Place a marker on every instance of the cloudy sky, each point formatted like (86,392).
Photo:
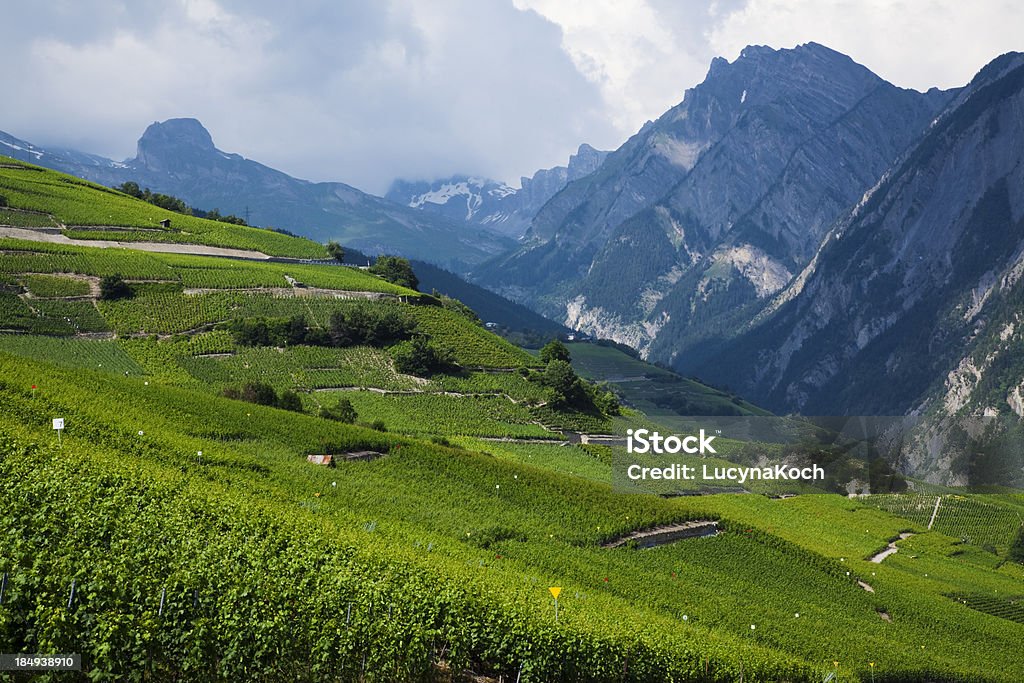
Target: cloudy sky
(364,91)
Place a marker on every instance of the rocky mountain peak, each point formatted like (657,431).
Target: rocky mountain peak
(177,133)
(174,143)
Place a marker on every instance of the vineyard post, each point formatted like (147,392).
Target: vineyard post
(71,595)
(163,594)
(555,591)
(3,587)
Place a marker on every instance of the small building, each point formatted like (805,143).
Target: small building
(165,223)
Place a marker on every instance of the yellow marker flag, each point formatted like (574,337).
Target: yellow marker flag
(555,590)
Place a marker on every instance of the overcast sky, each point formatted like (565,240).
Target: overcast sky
(364,91)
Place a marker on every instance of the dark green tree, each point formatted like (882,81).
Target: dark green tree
(260,393)
(336,251)
(289,400)
(421,358)
(566,387)
(114,287)
(396,270)
(554,350)
(342,411)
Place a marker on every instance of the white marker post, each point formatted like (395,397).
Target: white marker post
(58,425)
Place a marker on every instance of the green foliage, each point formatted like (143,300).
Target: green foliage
(396,270)
(214,214)
(113,287)
(554,350)
(367,325)
(473,345)
(1016,553)
(566,387)
(273,332)
(258,393)
(422,358)
(341,411)
(164,201)
(335,251)
(289,400)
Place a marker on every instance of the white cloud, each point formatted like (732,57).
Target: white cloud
(366,91)
(912,44)
(641,61)
(359,92)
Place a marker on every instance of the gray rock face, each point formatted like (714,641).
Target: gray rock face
(913,301)
(713,207)
(179,157)
(491,204)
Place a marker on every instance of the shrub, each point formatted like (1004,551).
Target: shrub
(260,393)
(421,358)
(371,326)
(342,411)
(554,350)
(336,251)
(396,270)
(566,387)
(289,400)
(114,287)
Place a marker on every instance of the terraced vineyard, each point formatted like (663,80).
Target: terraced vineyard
(978,520)
(177,531)
(73,204)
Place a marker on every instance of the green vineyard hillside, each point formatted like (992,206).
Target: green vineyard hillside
(181,526)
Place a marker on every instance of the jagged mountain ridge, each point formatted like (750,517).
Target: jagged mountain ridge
(715,205)
(491,203)
(913,303)
(179,157)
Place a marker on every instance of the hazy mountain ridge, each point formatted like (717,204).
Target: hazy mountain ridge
(491,203)
(179,157)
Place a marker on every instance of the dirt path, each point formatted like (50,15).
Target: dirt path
(890,549)
(669,533)
(293,292)
(163,247)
